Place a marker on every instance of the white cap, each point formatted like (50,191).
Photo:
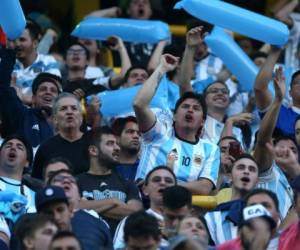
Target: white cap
(255,211)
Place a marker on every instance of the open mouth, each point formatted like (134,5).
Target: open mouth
(75,58)
(245,179)
(12,155)
(160,191)
(115,155)
(70,119)
(141,12)
(47,99)
(222,99)
(188,118)
(67,187)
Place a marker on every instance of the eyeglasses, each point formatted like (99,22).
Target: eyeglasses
(217,90)
(157,179)
(75,51)
(62,178)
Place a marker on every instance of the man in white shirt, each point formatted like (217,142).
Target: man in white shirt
(155,182)
(29,62)
(15,155)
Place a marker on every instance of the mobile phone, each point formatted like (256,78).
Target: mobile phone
(170,60)
(235,149)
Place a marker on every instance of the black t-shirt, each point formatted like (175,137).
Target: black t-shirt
(56,146)
(85,84)
(140,53)
(101,187)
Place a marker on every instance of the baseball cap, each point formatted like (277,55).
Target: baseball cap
(256,211)
(46,77)
(49,195)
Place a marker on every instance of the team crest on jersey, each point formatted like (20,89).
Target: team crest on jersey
(197,160)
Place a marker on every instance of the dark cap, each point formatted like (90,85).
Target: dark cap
(49,195)
(295,184)
(46,77)
(256,211)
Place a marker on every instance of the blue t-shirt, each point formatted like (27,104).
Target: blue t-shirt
(92,232)
(3,246)
(286,120)
(127,171)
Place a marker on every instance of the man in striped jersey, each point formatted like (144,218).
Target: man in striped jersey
(223,221)
(273,166)
(195,162)
(254,234)
(29,62)
(216,94)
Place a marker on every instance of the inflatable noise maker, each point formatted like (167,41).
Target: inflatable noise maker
(233,56)
(130,30)
(12,18)
(120,102)
(237,19)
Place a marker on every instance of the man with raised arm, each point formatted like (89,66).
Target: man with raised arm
(263,97)
(216,94)
(195,162)
(271,175)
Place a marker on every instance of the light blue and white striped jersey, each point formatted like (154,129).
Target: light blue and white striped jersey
(274,180)
(291,50)
(193,161)
(220,228)
(15,186)
(213,130)
(25,76)
(209,66)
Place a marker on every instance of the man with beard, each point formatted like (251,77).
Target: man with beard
(34,123)
(101,182)
(128,135)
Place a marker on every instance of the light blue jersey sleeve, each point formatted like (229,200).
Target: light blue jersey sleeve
(212,163)
(156,133)
(219,227)
(118,240)
(275,180)
(149,148)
